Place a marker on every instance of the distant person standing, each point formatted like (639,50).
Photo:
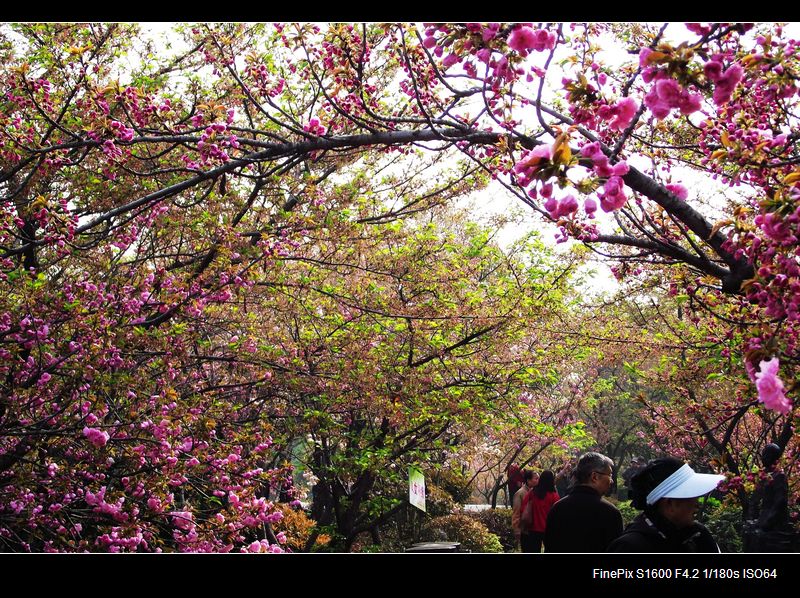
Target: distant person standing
(531,479)
(583,521)
(515,482)
(637,463)
(563,480)
(539,500)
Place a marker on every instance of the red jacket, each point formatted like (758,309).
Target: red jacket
(541,507)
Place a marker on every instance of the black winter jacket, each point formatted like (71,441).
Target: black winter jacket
(652,533)
(581,522)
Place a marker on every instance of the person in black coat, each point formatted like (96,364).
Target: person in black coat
(582,521)
(667,492)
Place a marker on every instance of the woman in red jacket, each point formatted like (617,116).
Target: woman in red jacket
(538,501)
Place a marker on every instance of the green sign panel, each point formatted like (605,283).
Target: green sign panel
(416,488)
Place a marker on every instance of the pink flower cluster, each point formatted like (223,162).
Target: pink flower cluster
(97,437)
(183,520)
(262,546)
(613,196)
(501,68)
(725,82)
(212,143)
(600,163)
(490,31)
(314,127)
(776,228)
(590,207)
(265,82)
(561,208)
(531,163)
(667,94)
(523,39)
(185,532)
(449,60)
(110,149)
(116,541)
(621,114)
(114,510)
(678,190)
(121,132)
(770,388)
(698,28)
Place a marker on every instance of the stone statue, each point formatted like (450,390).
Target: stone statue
(767,528)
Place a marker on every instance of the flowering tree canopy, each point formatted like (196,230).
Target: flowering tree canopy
(158,203)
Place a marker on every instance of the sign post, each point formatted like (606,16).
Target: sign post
(416,488)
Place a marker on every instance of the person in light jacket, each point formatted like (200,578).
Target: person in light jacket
(531,478)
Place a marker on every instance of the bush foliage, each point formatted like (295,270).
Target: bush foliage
(498,522)
(459,527)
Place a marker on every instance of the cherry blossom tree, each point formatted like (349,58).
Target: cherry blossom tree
(169,333)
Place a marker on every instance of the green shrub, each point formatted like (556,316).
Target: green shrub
(627,511)
(395,537)
(458,527)
(364,543)
(724,521)
(498,522)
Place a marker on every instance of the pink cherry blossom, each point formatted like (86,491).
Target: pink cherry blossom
(669,91)
(531,162)
(726,84)
(621,168)
(624,111)
(97,437)
(770,388)
(449,60)
(678,190)
(183,520)
(689,103)
(667,94)
(712,70)
(613,197)
(602,167)
(775,227)
(569,205)
(592,150)
(314,127)
(698,28)
(522,39)
(490,31)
